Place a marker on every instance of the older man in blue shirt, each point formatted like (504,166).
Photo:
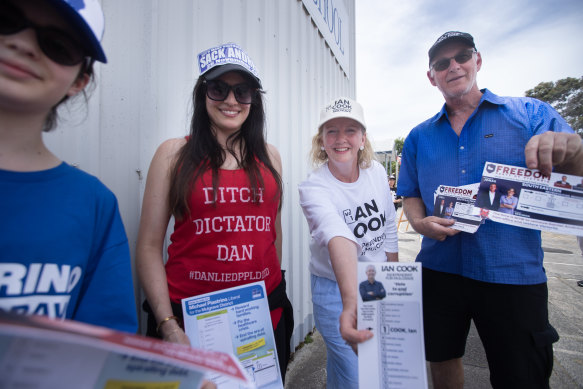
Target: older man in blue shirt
(371,289)
(494,277)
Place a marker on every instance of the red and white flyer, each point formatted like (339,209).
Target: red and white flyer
(38,352)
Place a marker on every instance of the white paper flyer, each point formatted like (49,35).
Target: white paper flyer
(237,321)
(390,305)
(525,198)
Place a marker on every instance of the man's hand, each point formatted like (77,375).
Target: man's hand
(559,149)
(348,330)
(434,227)
(431,226)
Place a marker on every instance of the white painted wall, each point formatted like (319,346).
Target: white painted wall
(142,97)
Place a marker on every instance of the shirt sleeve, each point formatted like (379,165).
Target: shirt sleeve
(543,117)
(324,219)
(362,290)
(107,297)
(382,292)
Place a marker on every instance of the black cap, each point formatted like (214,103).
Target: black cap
(392,177)
(451,36)
(218,71)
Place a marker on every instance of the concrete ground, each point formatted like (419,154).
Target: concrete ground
(564,266)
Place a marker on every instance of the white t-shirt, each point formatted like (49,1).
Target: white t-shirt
(362,212)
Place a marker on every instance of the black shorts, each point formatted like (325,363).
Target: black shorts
(512,321)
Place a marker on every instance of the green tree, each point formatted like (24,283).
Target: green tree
(397,148)
(566,96)
(399,145)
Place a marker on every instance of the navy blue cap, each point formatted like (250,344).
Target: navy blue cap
(448,37)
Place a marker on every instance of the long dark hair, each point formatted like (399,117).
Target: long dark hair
(203,152)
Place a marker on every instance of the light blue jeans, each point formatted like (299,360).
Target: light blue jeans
(342,362)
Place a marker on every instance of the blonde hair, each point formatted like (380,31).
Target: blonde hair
(318,156)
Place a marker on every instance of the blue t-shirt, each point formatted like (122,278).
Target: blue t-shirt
(63,249)
(433,155)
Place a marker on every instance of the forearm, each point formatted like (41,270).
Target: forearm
(414,209)
(152,277)
(343,255)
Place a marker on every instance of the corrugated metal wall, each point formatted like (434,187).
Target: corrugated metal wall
(142,97)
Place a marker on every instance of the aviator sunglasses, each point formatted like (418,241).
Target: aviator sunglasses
(55,43)
(460,58)
(218,90)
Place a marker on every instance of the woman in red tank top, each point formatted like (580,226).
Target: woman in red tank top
(222,184)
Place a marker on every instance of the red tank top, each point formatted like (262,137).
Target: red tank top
(227,241)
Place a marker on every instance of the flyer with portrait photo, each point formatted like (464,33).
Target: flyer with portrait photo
(237,321)
(390,305)
(525,198)
(457,203)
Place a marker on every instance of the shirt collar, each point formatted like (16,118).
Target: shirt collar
(486,96)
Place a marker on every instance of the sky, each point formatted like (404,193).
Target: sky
(522,43)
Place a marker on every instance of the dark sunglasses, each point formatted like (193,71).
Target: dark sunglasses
(218,90)
(58,45)
(460,58)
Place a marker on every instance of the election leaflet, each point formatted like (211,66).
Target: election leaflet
(525,198)
(38,352)
(237,321)
(390,305)
(457,203)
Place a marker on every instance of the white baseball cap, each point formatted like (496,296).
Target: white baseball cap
(342,107)
(228,57)
(86,17)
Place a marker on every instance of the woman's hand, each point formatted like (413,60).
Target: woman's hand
(206,384)
(173,333)
(348,330)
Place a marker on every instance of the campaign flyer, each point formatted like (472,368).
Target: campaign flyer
(390,305)
(38,352)
(525,198)
(457,203)
(237,321)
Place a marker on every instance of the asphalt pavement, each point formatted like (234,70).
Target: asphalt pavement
(564,265)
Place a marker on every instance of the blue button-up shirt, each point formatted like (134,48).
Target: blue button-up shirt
(371,292)
(433,155)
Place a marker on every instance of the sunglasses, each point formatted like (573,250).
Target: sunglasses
(460,58)
(56,44)
(218,90)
